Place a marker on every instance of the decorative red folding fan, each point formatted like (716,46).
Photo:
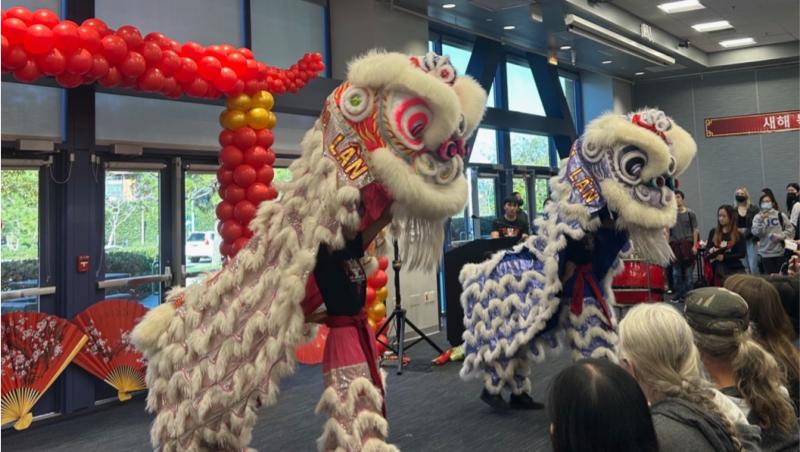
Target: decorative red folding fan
(311,351)
(109,355)
(37,347)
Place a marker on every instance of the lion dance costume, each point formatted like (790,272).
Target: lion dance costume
(614,190)
(390,137)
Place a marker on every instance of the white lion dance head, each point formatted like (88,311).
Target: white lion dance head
(391,136)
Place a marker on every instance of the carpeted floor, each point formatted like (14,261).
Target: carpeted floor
(429,408)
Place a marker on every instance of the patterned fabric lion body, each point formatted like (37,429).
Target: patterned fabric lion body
(390,137)
(516,305)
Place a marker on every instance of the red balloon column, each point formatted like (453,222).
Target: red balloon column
(376,300)
(36,44)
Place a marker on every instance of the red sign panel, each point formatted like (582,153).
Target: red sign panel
(783,121)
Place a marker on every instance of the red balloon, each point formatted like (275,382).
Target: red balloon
(378,279)
(221,192)
(169,86)
(216,51)
(246,52)
(230,230)
(6,46)
(379,344)
(273,192)
(79,62)
(265,175)
(238,63)
(151,53)
(234,194)
(244,175)
(170,62)
(192,50)
(227,48)
(22,13)
(250,86)
(131,35)
(224,211)
(209,68)
(66,36)
(52,62)
(97,25)
(264,138)
(226,79)
(152,80)
(370,295)
(244,211)
(256,156)
(100,67)
(246,232)
(28,73)
(197,88)
(224,176)
(114,48)
(111,79)
(187,71)
(231,157)
(68,80)
(257,192)
(238,88)
(383,262)
(251,71)
(90,39)
(160,39)
(225,249)
(16,58)
(225,137)
(238,244)
(133,65)
(38,39)
(45,17)
(244,138)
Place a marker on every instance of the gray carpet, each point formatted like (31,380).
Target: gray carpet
(429,409)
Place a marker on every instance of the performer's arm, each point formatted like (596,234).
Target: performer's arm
(369,234)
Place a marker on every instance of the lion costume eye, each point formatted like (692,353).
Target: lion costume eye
(631,163)
(409,119)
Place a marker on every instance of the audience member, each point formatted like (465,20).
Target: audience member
(510,224)
(726,246)
(739,367)
(683,239)
(746,211)
(771,326)
(582,399)
(793,207)
(772,227)
(521,213)
(657,348)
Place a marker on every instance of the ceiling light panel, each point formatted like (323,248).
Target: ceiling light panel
(737,42)
(681,6)
(712,26)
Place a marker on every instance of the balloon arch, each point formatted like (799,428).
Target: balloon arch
(37,44)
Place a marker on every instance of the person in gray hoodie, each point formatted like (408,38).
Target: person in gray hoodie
(772,227)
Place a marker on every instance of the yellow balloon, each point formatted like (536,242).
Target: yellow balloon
(258,118)
(373,324)
(233,119)
(377,311)
(263,99)
(382,293)
(273,120)
(239,102)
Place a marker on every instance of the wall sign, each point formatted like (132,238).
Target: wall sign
(782,121)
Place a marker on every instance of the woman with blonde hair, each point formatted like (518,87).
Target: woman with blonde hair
(772,327)
(746,211)
(739,367)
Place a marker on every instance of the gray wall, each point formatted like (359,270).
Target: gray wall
(724,163)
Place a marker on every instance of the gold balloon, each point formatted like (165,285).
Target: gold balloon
(376,312)
(258,118)
(233,119)
(382,293)
(373,324)
(263,99)
(273,120)
(239,102)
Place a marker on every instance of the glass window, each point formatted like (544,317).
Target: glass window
(523,96)
(202,243)
(132,232)
(542,190)
(487,204)
(460,56)
(20,236)
(275,20)
(568,88)
(31,111)
(204,21)
(484,150)
(530,150)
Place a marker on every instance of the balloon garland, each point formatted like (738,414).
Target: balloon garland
(376,300)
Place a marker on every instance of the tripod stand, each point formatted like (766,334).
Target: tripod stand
(399,317)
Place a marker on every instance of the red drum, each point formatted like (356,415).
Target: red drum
(640,282)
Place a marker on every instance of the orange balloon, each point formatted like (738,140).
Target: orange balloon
(377,311)
(382,293)
(373,324)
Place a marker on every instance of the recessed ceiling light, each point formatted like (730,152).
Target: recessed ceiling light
(566,47)
(509,27)
(449,5)
(640,73)
(737,42)
(713,26)
(607,62)
(681,6)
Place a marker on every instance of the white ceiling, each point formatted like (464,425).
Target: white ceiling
(766,21)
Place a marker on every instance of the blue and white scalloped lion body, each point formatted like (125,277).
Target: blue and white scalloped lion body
(614,190)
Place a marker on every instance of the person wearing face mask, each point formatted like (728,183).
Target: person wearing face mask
(772,227)
(793,206)
(746,211)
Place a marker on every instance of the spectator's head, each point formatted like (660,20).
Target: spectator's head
(742,196)
(581,398)
(726,217)
(511,207)
(720,321)
(767,197)
(518,196)
(792,193)
(679,197)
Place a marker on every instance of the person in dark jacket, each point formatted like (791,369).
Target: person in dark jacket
(746,210)
(726,247)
